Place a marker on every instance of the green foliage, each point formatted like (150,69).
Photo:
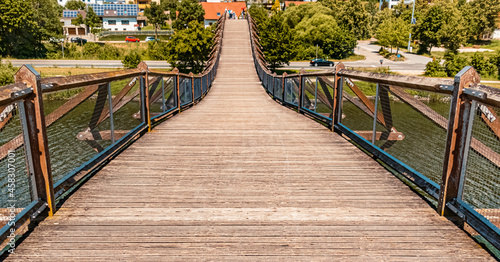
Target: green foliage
(495,60)
(157,51)
(434,69)
(295,14)
(78,20)
(131,60)
(171,7)
(6,74)
(485,67)
(189,48)
(156,16)
(25,24)
(393,32)
(442,23)
(277,42)
(189,10)
(92,20)
(308,52)
(480,16)
(75,5)
(454,63)
(352,16)
(259,14)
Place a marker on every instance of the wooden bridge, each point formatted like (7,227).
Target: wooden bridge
(240,177)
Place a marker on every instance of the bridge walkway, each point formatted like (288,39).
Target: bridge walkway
(240,177)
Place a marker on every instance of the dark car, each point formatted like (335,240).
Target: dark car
(78,40)
(321,62)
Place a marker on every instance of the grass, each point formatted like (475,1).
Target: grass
(350,58)
(122,37)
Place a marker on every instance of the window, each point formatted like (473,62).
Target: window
(112,22)
(124,29)
(125,22)
(116,29)
(218,14)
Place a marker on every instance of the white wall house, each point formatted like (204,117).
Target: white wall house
(496,34)
(393,3)
(120,23)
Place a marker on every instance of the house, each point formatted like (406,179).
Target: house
(214,10)
(393,3)
(63,2)
(117,17)
(72,30)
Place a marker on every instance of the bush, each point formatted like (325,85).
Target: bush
(434,69)
(454,63)
(91,50)
(482,65)
(131,60)
(157,51)
(308,52)
(6,74)
(110,52)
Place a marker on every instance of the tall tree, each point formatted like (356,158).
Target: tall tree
(259,14)
(393,33)
(156,16)
(189,10)
(481,16)
(171,7)
(75,5)
(92,20)
(277,42)
(189,48)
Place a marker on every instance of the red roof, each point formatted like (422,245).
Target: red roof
(287,3)
(211,9)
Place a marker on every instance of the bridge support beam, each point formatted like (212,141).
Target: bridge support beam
(35,136)
(458,133)
(337,97)
(145,97)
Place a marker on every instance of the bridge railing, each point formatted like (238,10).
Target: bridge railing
(441,135)
(49,146)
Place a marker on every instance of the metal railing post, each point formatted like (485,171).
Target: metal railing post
(35,132)
(337,96)
(456,140)
(145,94)
(111,121)
(301,80)
(192,85)
(375,113)
(283,85)
(177,89)
(163,106)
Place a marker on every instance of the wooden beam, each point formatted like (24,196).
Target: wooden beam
(386,135)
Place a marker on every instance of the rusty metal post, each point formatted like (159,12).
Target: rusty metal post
(192,85)
(283,84)
(337,96)
(37,136)
(456,141)
(177,78)
(301,79)
(144,68)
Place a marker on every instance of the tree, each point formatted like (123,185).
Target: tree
(276,7)
(92,20)
(259,14)
(75,5)
(79,20)
(190,47)
(351,15)
(156,16)
(171,7)
(393,33)
(277,42)
(480,16)
(442,23)
(18,29)
(189,10)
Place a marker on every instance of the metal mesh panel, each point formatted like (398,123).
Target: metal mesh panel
(185,90)
(482,177)
(318,96)
(278,88)
(156,91)
(15,182)
(355,115)
(204,84)
(417,138)
(170,94)
(127,113)
(270,80)
(197,88)
(292,90)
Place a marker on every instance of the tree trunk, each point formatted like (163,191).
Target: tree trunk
(156,32)
(397,51)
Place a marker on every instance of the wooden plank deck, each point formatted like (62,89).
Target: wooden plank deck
(239,177)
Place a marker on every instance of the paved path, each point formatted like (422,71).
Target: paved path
(239,177)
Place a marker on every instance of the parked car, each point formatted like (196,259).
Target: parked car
(321,62)
(78,40)
(132,39)
(151,38)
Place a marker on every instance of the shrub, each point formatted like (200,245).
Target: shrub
(91,50)
(454,63)
(110,52)
(435,69)
(157,51)
(6,74)
(131,60)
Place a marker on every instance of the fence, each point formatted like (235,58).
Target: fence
(143,32)
(47,147)
(448,146)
